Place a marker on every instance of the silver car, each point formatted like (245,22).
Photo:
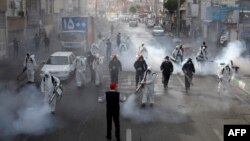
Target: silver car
(133,23)
(60,64)
(158,31)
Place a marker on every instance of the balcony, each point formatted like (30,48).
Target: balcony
(3,5)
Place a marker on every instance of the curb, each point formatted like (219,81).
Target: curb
(241,84)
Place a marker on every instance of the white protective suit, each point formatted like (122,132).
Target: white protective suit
(177,54)
(202,54)
(143,51)
(95,49)
(81,65)
(30,64)
(148,89)
(224,75)
(48,88)
(97,67)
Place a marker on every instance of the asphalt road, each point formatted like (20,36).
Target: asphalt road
(177,116)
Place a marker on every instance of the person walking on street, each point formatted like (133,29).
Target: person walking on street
(48,86)
(189,70)
(97,67)
(46,41)
(148,87)
(37,41)
(166,69)
(108,49)
(30,65)
(115,67)
(140,66)
(80,64)
(90,60)
(113,111)
(118,40)
(15,47)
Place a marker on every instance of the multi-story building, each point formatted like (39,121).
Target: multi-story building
(3,28)
(215,16)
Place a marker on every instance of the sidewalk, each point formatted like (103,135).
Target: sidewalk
(242,82)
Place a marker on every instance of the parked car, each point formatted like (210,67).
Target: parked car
(133,23)
(60,64)
(150,23)
(158,31)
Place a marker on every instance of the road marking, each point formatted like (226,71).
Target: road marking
(128,135)
(218,134)
(182,83)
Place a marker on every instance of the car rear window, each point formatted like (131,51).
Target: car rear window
(58,60)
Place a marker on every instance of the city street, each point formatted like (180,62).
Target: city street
(177,115)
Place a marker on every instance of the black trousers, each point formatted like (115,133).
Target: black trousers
(187,81)
(115,115)
(165,79)
(114,76)
(138,77)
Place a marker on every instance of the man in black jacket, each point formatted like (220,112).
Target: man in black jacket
(113,111)
(114,67)
(90,60)
(189,70)
(166,69)
(108,49)
(140,66)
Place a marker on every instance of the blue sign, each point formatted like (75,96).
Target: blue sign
(220,12)
(74,23)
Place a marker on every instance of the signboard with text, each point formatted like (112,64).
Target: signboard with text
(74,23)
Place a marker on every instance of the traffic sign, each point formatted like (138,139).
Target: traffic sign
(74,23)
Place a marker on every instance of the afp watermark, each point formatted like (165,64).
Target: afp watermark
(236,132)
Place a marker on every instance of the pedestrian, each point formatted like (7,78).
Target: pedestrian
(80,64)
(189,70)
(46,41)
(118,40)
(143,51)
(90,59)
(177,54)
(37,41)
(113,111)
(15,47)
(30,65)
(148,87)
(166,69)
(224,76)
(97,67)
(108,49)
(49,86)
(140,66)
(115,67)
(202,53)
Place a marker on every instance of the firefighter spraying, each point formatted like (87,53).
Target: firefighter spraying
(29,66)
(50,87)
(224,77)
(148,87)
(81,65)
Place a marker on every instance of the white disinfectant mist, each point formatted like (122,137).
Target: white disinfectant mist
(23,113)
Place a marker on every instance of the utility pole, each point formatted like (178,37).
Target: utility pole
(178,18)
